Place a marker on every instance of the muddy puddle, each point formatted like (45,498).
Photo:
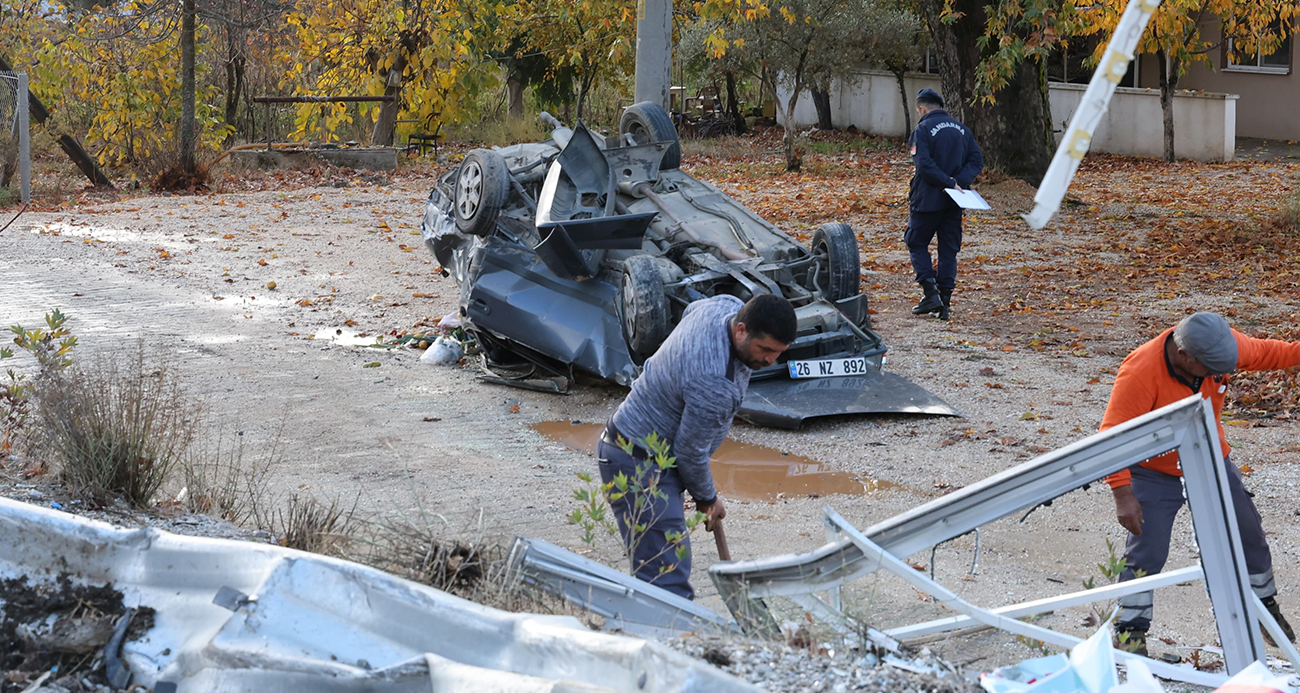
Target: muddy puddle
(742,470)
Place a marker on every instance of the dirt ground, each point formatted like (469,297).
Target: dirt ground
(1041,321)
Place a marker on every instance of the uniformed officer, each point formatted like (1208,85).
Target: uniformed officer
(946,156)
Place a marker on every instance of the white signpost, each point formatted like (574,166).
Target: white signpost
(1078,136)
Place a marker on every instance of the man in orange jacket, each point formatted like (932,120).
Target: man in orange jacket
(1196,356)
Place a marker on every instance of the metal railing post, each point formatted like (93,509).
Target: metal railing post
(24,141)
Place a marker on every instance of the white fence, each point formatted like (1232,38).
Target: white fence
(1205,124)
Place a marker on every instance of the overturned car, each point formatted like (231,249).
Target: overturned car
(583,252)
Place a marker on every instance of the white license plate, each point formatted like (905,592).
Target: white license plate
(828,368)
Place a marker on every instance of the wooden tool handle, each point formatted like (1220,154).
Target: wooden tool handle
(720,537)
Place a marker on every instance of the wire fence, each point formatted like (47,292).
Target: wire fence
(8,104)
(15,140)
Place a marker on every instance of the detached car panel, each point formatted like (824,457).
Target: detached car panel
(582,252)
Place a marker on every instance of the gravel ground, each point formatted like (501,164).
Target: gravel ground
(190,276)
(786,669)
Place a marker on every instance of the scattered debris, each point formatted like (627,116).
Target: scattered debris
(444,351)
(60,627)
(787,669)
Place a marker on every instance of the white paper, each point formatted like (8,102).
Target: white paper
(967,199)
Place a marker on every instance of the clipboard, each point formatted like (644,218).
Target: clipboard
(967,199)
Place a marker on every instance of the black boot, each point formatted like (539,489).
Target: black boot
(1132,641)
(931,303)
(1275,611)
(945,295)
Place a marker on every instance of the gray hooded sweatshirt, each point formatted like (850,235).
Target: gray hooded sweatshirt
(690,391)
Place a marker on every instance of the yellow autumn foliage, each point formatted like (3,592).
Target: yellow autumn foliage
(122,69)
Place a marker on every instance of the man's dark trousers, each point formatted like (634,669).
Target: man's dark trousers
(1161,496)
(921,228)
(654,558)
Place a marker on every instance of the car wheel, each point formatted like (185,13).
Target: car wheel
(837,272)
(645,306)
(482,188)
(648,122)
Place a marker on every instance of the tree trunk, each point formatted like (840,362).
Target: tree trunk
(234,89)
(514,97)
(188,163)
(793,162)
(1000,127)
(1169,69)
(385,131)
(738,126)
(582,95)
(822,102)
(899,75)
(767,87)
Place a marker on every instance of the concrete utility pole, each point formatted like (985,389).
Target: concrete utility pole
(654,50)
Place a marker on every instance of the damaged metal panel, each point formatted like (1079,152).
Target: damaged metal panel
(303,622)
(571,322)
(627,603)
(1013,490)
(950,599)
(783,403)
(1187,426)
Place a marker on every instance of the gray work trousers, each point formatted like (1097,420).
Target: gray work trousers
(654,550)
(1161,496)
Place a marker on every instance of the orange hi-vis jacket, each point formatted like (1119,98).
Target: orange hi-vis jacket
(1146,383)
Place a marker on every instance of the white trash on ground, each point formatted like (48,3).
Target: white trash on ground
(444,351)
(289,621)
(1089,668)
(1256,678)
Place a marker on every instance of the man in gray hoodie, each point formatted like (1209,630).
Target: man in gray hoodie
(687,394)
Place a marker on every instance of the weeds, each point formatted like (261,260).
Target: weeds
(1288,218)
(644,491)
(1111,568)
(309,525)
(503,132)
(223,480)
(52,349)
(467,562)
(116,428)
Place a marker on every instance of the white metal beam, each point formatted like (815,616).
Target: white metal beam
(1214,521)
(948,598)
(1064,601)
(1013,490)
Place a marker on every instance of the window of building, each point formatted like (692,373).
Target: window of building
(1278,62)
(930,62)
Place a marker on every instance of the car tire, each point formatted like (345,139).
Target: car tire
(482,188)
(648,122)
(645,305)
(838,269)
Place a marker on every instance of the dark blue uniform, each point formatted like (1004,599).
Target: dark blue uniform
(946,155)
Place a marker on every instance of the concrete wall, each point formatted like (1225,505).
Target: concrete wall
(1206,123)
(1269,102)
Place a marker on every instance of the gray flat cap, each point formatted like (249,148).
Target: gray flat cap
(1208,339)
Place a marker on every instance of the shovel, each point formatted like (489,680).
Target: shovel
(720,538)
